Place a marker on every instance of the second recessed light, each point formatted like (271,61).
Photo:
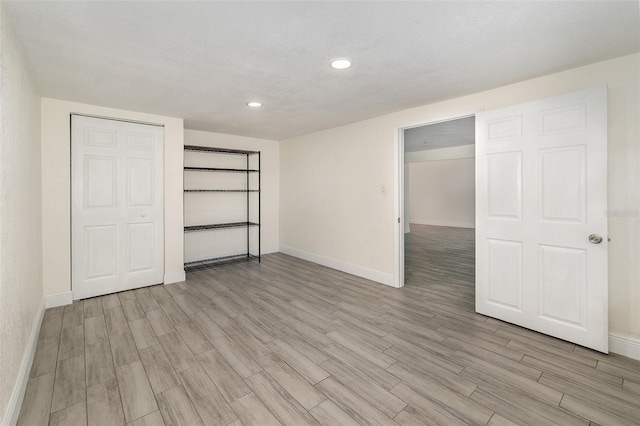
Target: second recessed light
(340,64)
(254,104)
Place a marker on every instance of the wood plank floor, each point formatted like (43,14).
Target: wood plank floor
(290,342)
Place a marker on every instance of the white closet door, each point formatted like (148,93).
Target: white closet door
(117,215)
(541,231)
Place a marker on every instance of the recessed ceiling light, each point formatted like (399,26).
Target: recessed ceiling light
(254,104)
(340,64)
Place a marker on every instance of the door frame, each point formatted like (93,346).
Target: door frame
(399,185)
(164,153)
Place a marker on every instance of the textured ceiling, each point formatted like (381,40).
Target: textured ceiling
(446,134)
(204,60)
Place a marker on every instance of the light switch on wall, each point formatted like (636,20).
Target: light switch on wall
(383,189)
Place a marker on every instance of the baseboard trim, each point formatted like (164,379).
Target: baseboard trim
(443,223)
(270,249)
(17,395)
(349,268)
(58,299)
(625,346)
(175,277)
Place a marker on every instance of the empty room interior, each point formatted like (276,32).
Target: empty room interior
(319,213)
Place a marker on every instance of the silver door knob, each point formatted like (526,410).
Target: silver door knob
(595,239)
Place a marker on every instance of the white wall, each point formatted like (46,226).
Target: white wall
(332,210)
(442,193)
(331,207)
(56,196)
(202,208)
(20,221)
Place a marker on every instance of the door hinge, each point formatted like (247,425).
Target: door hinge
(398,220)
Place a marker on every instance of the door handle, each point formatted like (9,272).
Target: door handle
(143,215)
(595,239)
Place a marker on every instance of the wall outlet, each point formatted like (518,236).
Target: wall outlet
(383,189)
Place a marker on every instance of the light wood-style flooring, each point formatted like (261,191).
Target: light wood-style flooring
(290,342)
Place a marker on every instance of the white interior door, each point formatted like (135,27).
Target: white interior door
(541,192)
(117,222)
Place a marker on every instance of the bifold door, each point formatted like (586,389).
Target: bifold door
(117,202)
(541,221)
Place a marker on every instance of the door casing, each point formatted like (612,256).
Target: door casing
(399,184)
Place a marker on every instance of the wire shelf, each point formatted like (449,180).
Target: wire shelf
(218,150)
(219,261)
(219,226)
(251,202)
(221,190)
(217,169)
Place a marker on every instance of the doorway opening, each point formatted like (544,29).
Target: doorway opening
(540,213)
(438,206)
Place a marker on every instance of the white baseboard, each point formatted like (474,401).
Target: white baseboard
(58,299)
(270,249)
(17,395)
(175,277)
(625,346)
(443,223)
(349,268)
